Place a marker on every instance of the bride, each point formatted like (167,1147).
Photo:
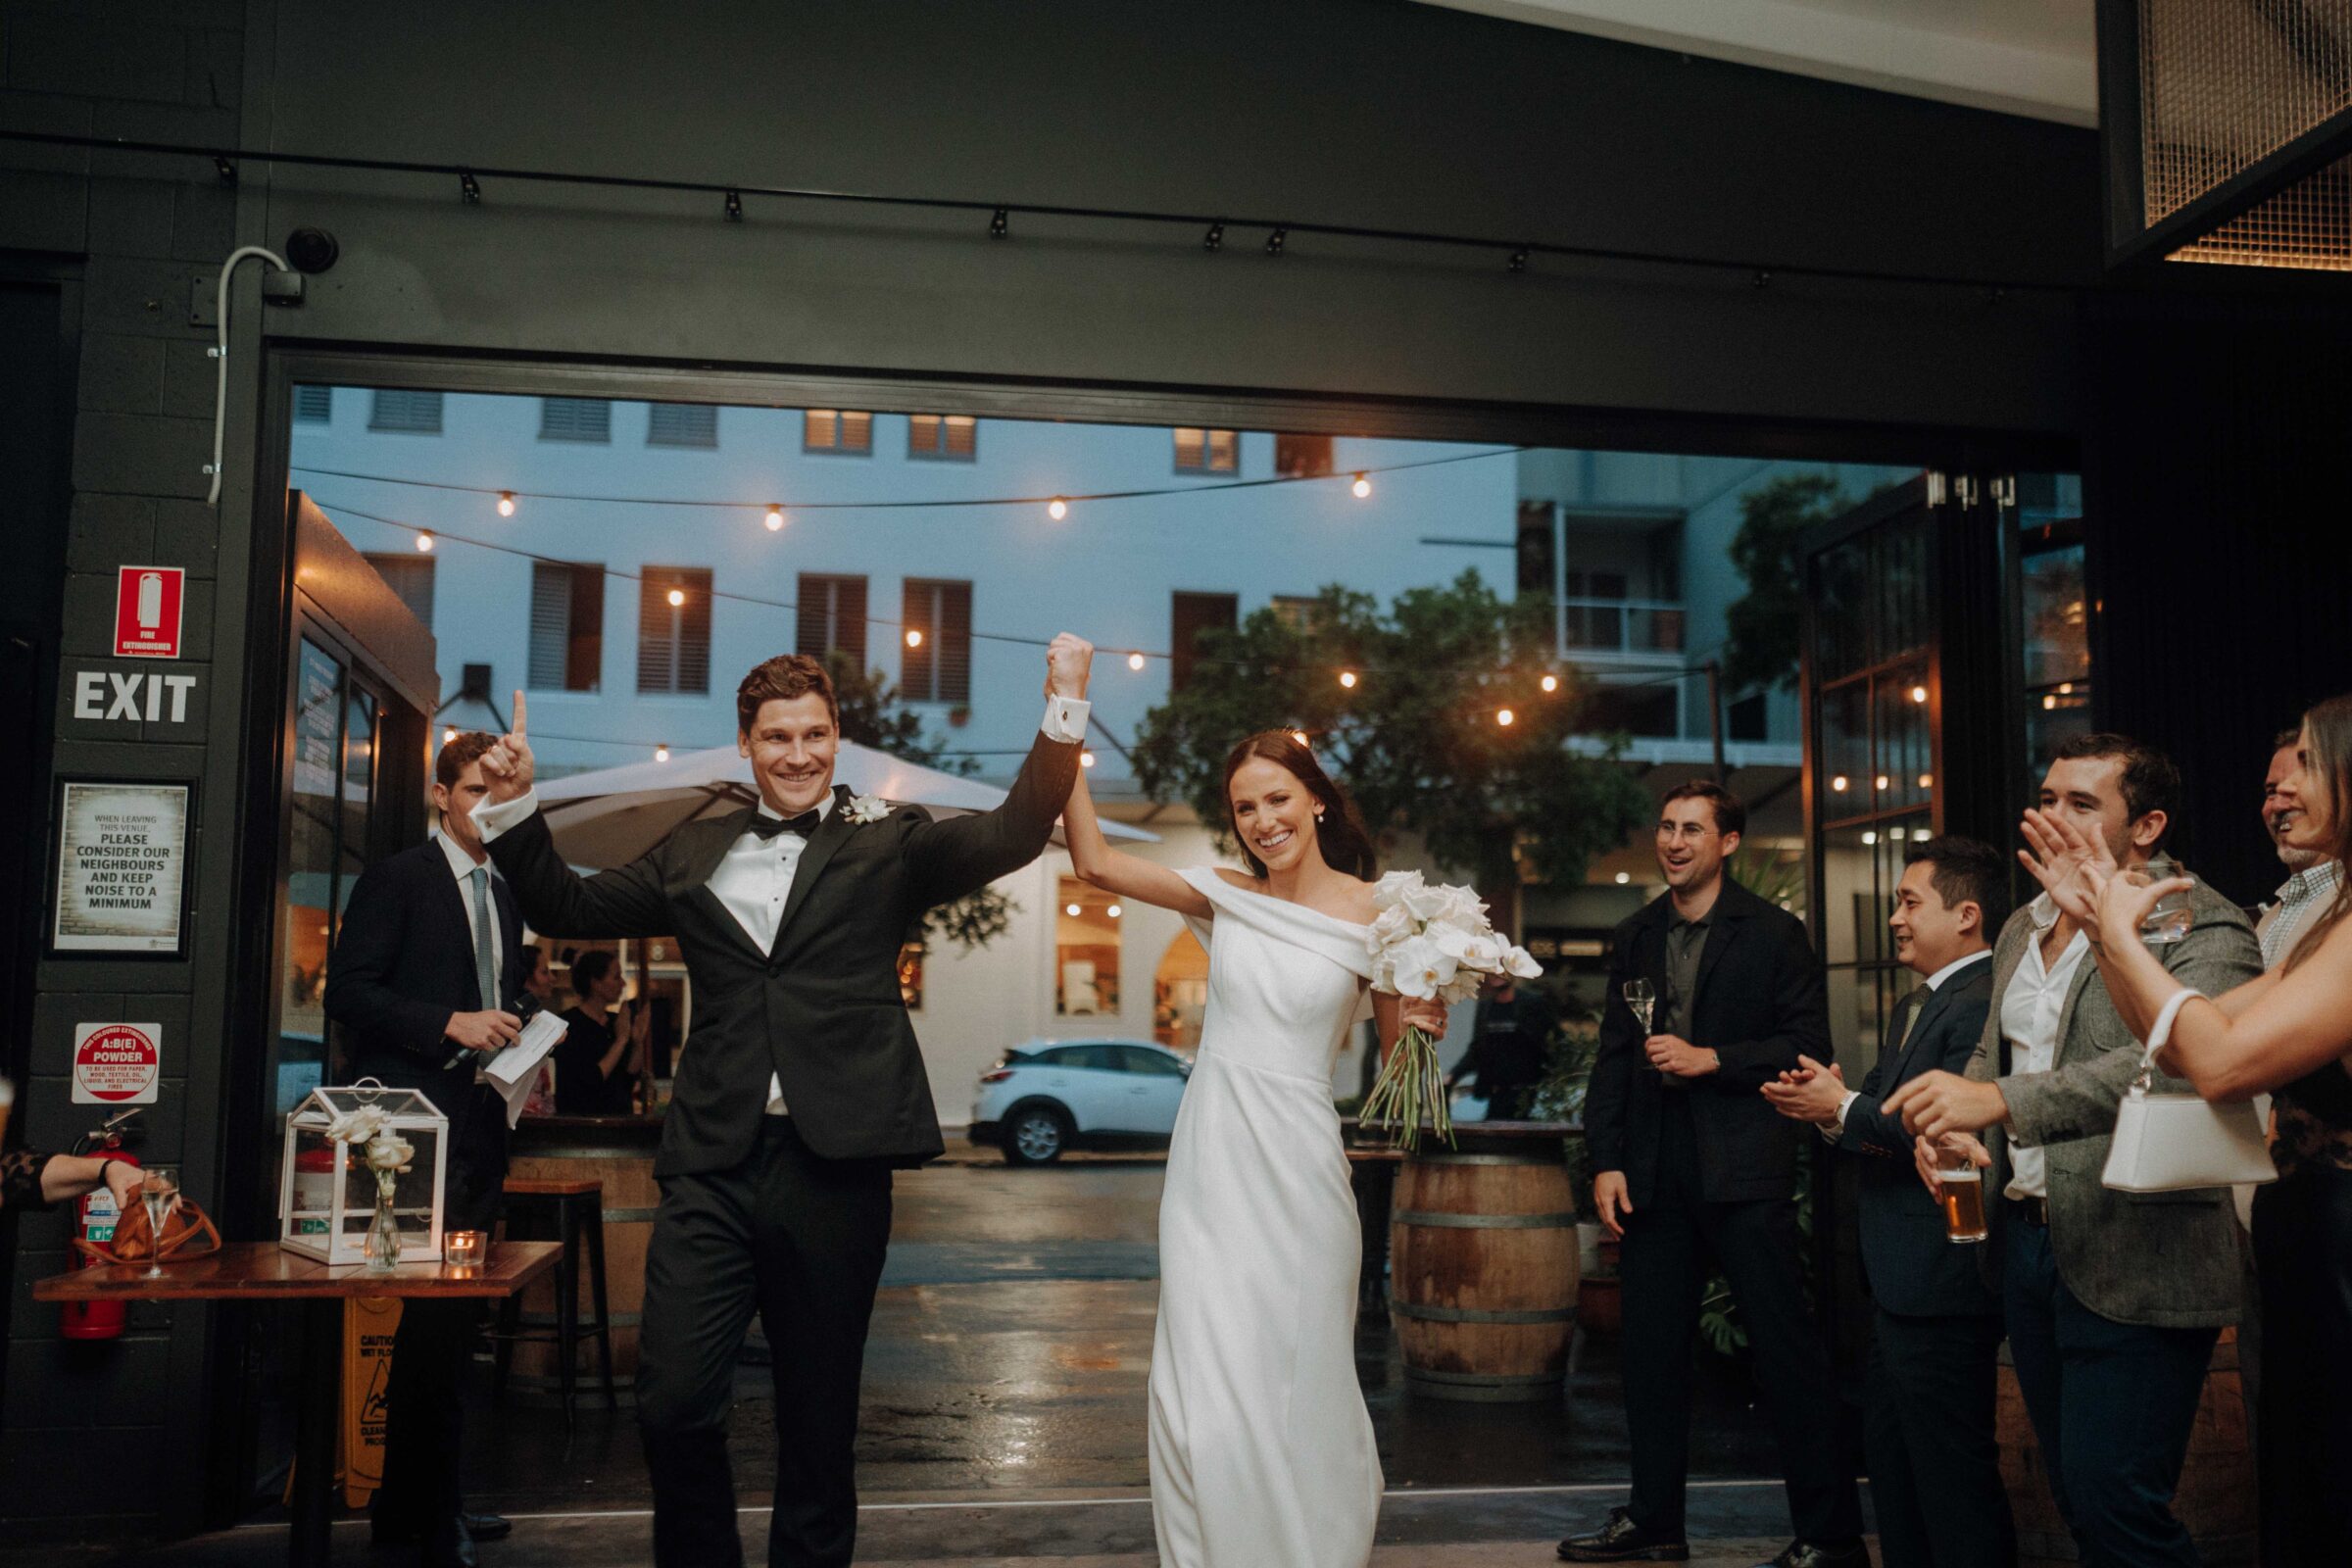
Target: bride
(1261,1449)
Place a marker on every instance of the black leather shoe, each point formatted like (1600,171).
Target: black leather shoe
(487,1526)
(1623,1541)
(1809,1555)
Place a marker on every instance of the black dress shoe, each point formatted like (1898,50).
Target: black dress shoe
(1623,1541)
(487,1526)
(1810,1554)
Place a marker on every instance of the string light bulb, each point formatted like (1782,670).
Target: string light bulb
(1505,716)
(1919,694)
(424,541)
(677,597)
(1057,508)
(1300,736)
(1550,683)
(661,753)
(1085,759)
(914,638)
(449,734)
(1348,679)
(1838,783)
(1362,487)
(1135,661)
(775,518)
(506,502)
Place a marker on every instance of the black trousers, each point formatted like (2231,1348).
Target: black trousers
(1927,1428)
(1663,1269)
(2303,1249)
(2112,1406)
(424,1423)
(799,1240)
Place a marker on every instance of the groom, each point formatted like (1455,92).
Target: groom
(800,1089)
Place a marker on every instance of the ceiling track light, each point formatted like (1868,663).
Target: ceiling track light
(999,225)
(469,189)
(1276,240)
(1518,263)
(226,169)
(1214,239)
(734,207)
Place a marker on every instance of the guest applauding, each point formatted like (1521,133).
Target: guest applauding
(2289,1032)
(594,1064)
(1928,1395)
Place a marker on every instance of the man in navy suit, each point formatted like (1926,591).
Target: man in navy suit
(1927,1431)
(429,950)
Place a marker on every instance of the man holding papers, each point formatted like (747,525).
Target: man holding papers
(427,967)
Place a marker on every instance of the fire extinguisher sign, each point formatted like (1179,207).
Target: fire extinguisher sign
(147,600)
(117,1063)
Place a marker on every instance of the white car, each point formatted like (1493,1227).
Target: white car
(1050,1096)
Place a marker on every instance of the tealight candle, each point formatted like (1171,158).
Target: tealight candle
(462,1253)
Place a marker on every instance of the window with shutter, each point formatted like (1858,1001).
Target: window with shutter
(674,641)
(313,405)
(410,578)
(567,626)
(417,413)
(1200,450)
(575,420)
(682,424)
(938,667)
(1302,457)
(832,615)
(1188,615)
(948,437)
(844,430)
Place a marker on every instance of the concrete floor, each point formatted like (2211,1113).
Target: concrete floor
(1003,1419)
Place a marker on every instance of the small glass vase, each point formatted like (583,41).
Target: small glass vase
(383,1231)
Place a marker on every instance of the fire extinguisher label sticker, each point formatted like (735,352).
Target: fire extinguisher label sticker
(117,1063)
(147,605)
(99,1214)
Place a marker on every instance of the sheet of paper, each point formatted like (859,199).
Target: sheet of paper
(515,1070)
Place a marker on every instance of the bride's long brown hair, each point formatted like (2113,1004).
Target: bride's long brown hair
(1340,830)
(2325,758)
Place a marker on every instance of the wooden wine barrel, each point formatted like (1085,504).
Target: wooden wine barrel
(1483,1265)
(2216,1500)
(621,1155)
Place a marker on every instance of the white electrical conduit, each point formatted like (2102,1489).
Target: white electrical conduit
(221,354)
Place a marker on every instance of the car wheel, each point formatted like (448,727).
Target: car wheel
(1035,1135)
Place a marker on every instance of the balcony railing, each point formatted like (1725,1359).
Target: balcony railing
(1629,628)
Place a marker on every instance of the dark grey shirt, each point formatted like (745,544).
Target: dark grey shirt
(1685,940)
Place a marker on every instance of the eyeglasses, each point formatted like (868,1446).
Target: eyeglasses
(1687,832)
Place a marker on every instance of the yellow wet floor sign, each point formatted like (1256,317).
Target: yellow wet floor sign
(368,1323)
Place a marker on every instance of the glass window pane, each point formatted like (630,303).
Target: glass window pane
(2056,618)
(1840,590)
(1905,767)
(1085,951)
(1844,756)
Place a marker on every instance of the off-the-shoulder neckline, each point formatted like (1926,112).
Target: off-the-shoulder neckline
(1218,873)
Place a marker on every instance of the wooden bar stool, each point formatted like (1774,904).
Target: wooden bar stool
(571,1212)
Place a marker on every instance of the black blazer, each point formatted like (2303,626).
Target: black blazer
(1761,1001)
(1914,1269)
(403,962)
(821,1009)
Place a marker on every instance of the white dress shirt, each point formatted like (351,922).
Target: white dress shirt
(753,880)
(2030,1009)
(1934,983)
(462,866)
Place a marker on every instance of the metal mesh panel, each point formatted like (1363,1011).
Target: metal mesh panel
(2225,83)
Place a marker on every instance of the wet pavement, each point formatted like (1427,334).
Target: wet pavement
(1003,1416)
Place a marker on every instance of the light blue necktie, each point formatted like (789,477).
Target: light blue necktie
(485,964)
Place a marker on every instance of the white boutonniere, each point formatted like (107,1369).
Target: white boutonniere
(864,809)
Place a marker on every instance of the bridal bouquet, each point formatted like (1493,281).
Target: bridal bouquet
(1428,941)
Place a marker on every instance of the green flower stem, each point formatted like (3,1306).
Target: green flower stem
(1410,1088)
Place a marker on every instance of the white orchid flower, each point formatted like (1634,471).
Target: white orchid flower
(1520,965)
(1421,968)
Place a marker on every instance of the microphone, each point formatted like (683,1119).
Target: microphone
(525,1007)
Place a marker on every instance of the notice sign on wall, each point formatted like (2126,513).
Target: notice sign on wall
(117,1063)
(122,866)
(147,600)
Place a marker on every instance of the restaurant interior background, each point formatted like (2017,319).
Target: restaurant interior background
(1684,255)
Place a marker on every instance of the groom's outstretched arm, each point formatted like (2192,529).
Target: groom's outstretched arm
(952,857)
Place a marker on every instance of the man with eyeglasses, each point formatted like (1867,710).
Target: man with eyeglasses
(1693,1163)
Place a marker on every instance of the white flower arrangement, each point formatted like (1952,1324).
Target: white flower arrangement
(864,809)
(1429,943)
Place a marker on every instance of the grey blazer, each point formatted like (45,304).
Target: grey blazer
(2159,1260)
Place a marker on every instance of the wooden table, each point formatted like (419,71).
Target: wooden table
(263,1271)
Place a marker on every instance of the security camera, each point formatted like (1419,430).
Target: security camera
(312,250)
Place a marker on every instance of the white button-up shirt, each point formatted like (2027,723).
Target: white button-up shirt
(755,878)
(2030,1011)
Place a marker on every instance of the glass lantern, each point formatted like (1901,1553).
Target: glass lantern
(329,1195)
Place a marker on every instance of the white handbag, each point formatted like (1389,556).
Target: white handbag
(2171,1143)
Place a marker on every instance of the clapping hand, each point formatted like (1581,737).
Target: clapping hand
(506,765)
(2072,866)
(1813,1092)
(1067,659)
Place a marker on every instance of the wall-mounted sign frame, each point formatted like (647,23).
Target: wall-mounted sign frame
(121,882)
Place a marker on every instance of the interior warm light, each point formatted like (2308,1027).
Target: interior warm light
(506,502)
(1362,487)
(2066,688)
(1870,838)
(2048,702)
(1114,911)
(424,541)
(1550,683)
(1135,661)
(1838,783)
(1623,877)
(774,520)
(1882,781)
(1920,835)
(1503,716)
(677,596)
(1057,508)
(1348,679)
(1927,781)
(1300,736)
(1070,910)
(914,639)
(661,753)
(1919,694)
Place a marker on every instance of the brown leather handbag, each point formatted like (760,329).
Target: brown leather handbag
(188,1232)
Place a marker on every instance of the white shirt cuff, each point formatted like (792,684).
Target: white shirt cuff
(2162,1030)
(1837,1130)
(1066,719)
(493,817)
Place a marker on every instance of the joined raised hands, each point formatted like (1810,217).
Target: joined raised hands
(1067,659)
(507,766)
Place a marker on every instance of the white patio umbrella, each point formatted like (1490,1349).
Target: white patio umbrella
(611,816)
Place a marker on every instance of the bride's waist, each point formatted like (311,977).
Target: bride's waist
(1241,1059)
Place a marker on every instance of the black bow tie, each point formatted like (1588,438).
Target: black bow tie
(767,828)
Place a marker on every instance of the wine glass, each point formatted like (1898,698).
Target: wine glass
(159,1191)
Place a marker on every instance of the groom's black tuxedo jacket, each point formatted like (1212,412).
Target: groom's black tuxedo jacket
(821,1009)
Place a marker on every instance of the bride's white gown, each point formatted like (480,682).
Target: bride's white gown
(1261,1449)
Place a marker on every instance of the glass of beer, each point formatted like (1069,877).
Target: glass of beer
(1960,1189)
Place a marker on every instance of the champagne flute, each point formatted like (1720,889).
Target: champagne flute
(1640,996)
(159,1191)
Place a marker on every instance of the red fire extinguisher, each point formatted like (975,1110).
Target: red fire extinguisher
(95,1221)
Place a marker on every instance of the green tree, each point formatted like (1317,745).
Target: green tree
(1416,739)
(1761,629)
(871,714)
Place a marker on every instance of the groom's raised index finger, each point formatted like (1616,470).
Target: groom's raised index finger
(520,722)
